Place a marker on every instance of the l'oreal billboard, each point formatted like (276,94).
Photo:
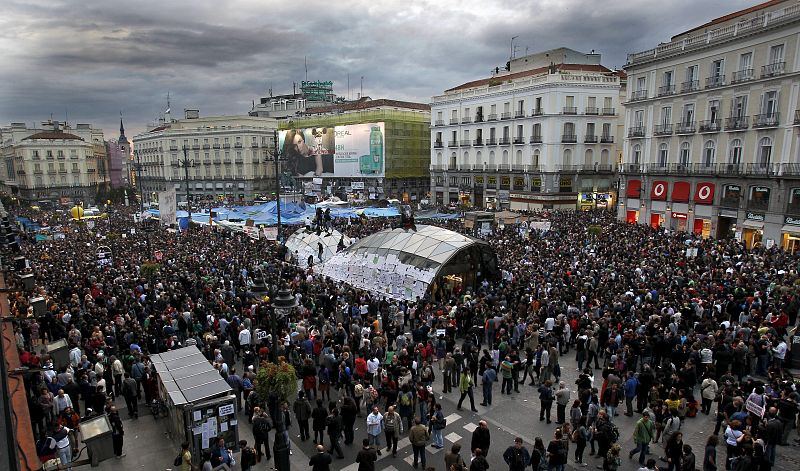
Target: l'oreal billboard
(352,151)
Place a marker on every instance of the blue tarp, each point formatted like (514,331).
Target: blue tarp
(27,224)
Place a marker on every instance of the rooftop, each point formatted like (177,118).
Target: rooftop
(365,104)
(532,72)
(53,135)
(731,16)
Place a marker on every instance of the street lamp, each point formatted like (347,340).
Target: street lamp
(139,168)
(282,305)
(186,163)
(276,158)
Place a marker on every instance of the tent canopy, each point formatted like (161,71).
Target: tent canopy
(306,244)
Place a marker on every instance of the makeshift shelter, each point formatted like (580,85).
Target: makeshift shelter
(199,402)
(305,243)
(406,264)
(508,217)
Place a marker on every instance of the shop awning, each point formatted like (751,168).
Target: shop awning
(791,229)
(634,189)
(680,192)
(704,193)
(659,190)
(753,224)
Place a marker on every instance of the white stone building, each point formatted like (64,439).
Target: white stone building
(230,158)
(711,122)
(542,134)
(53,163)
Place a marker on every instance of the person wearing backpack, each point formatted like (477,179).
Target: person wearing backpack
(184,458)
(517,456)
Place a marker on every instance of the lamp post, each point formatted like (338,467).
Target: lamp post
(276,157)
(186,163)
(282,305)
(137,166)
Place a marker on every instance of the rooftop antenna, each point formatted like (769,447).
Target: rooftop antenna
(305,62)
(166,112)
(512,46)
(348,85)
(66,117)
(362,86)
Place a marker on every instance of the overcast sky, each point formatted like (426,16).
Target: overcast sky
(95,58)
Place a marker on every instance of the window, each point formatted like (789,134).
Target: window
(745,61)
(667,79)
(538,108)
(764,152)
(688,114)
(663,155)
(569,129)
(739,108)
(794,201)
(453,160)
(638,118)
(708,154)
(570,101)
(588,158)
(520,134)
(685,154)
(718,68)
(590,130)
(713,110)
(769,104)
(607,103)
(537,130)
(735,156)
(536,158)
(637,154)
(592,102)
(606,130)
(666,115)
(691,73)
(641,84)
(438,138)
(567,163)
(776,54)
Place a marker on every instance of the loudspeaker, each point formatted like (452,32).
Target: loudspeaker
(28,281)
(39,306)
(19,262)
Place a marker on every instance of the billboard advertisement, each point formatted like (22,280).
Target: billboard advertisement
(352,151)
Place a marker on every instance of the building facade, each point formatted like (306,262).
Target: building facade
(711,141)
(230,158)
(54,163)
(118,152)
(542,134)
(405,175)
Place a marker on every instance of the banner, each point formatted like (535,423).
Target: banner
(271,233)
(352,151)
(251,232)
(167,207)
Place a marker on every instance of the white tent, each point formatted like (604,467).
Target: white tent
(304,243)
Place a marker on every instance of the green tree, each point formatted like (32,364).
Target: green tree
(278,380)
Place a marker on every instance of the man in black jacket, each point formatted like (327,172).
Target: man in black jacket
(321,461)
(261,427)
(481,438)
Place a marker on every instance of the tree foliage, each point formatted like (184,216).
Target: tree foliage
(278,379)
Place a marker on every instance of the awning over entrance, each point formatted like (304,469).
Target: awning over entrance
(791,229)
(634,188)
(680,192)
(753,225)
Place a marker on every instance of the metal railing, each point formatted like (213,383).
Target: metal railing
(685,128)
(506,115)
(491,141)
(439,122)
(453,120)
(666,90)
(569,110)
(606,139)
(766,120)
(537,112)
(492,117)
(536,139)
(438,144)
(592,110)
(477,142)
(636,131)
(452,144)
(519,114)
(711,125)
(737,123)
(771,70)
(796,116)
(662,129)
(504,141)
(478,118)
(638,95)
(715,81)
(690,86)
(590,139)
(569,138)
(465,143)
(519,140)
(608,112)
(742,76)
(466,120)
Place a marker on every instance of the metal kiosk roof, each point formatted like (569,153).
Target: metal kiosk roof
(188,377)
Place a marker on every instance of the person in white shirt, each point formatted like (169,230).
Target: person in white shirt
(61,402)
(244,339)
(375,428)
(75,356)
(779,354)
(63,448)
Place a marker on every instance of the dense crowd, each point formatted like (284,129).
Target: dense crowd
(671,333)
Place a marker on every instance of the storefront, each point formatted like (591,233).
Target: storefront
(726,224)
(702,227)
(753,229)
(656,220)
(679,221)
(588,201)
(790,234)
(632,216)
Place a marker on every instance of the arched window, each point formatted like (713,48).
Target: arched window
(479,158)
(588,158)
(536,158)
(453,160)
(735,156)
(438,158)
(663,155)
(604,157)
(637,154)
(505,157)
(685,154)
(491,157)
(518,158)
(764,152)
(466,158)
(709,150)
(567,161)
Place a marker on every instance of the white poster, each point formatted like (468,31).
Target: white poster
(167,207)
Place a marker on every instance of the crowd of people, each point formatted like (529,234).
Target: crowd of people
(670,331)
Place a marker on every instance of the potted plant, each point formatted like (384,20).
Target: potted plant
(276,381)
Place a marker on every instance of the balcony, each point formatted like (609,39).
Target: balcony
(195,146)
(466,143)
(742,76)
(519,140)
(173,148)
(536,139)
(453,120)
(690,86)
(606,139)
(466,120)
(254,145)
(688,127)
(737,123)
(608,112)
(569,138)
(769,120)
(478,118)
(50,157)
(206,146)
(238,145)
(638,95)
(491,141)
(760,169)
(438,144)
(797,117)
(592,110)
(504,141)
(637,131)
(662,130)
(772,70)
(492,117)
(666,90)
(519,114)
(216,146)
(506,115)
(452,144)
(477,142)
(537,112)
(226,146)
(438,122)
(715,81)
(790,169)
(730,169)
(570,110)
(711,125)
(590,139)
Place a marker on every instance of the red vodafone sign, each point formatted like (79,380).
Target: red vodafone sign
(659,191)
(704,193)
